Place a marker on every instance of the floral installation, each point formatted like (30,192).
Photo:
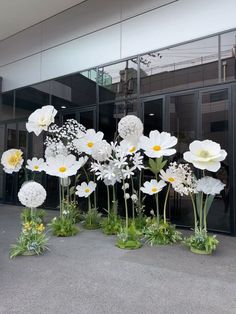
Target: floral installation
(204,155)
(36,164)
(12,160)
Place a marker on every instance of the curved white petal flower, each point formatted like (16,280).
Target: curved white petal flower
(12,160)
(85,189)
(64,166)
(209,185)
(101,151)
(158,144)
(205,155)
(130,128)
(36,164)
(128,148)
(40,119)
(85,144)
(152,187)
(32,194)
(169,176)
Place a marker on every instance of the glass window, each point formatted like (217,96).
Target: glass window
(108,120)
(153,115)
(228,56)
(186,66)
(6,106)
(118,81)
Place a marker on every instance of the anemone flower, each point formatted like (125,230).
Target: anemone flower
(86,143)
(158,144)
(85,189)
(12,160)
(152,187)
(40,119)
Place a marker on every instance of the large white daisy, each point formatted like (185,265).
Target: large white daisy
(158,144)
(64,166)
(205,155)
(86,143)
(40,119)
(12,160)
(84,189)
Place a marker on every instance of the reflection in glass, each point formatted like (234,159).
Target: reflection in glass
(108,120)
(6,106)
(228,56)
(87,119)
(153,115)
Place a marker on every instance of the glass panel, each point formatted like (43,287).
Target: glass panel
(153,115)
(118,81)
(183,113)
(6,106)
(215,118)
(87,119)
(228,56)
(185,66)
(108,120)
(2,149)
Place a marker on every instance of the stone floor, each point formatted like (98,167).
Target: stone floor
(87,274)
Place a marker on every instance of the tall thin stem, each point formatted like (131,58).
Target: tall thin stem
(108,202)
(205,214)
(126,208)
(114,199)
(157,206)
(200,214)
(165,203)
(95,193)
(132,184)
(60,198)
(194,211)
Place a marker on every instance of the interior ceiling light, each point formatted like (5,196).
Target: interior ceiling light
(151,114)
(63,107)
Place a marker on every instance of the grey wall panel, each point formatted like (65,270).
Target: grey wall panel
(133,7)
(85,18)
(82,53)
(21,45)
(21,73)
(181,21)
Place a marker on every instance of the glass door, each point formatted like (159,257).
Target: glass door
(153,115)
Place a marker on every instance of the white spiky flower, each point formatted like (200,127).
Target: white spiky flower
(32,194)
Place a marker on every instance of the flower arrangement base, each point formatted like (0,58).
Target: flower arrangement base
(129,244)
(111,226)
(91,227)
(29,253)
(63,227)
(201,252)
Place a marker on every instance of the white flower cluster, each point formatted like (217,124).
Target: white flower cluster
(32,194)
(181,178)
(64,136)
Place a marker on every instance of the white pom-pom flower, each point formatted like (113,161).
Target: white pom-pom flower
(205,155)
(85,189)
(32,194)
(36,164)
(158,144)
(152,187)
(55,149)
(101,151)
(40,119)
(130,128)
(210,186)
(12,160)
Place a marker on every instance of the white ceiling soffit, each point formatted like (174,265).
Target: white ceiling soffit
(17,15)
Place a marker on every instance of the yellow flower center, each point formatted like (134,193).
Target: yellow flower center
(90,144)
(14,159)
(154,190)
(132,149)
(62,169)
(87,190)
(40,227)
(204,154)
(36,167)
(156,148)
(171,179)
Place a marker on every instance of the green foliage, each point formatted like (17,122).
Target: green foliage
(63,227)
(32,240)
(111,225)
(140,222)
(201,241)
(37,215)
(162,234)
(156,165)
(91,219)
(128,239)
(72,211)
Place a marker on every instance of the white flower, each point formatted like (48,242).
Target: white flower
(32,194)
(138,161)
(130,128)
(169,176)
(127,172)
(65,212)
(63,166)
(65,182)
(205,155)
(12,160)
(54,149)
(209,185)
(134,198)
(158,144)
(127,196)
(152,187)
(35,164)
(127,148)
(101,151)
(40,119)
(86,143)
(84,189)
(125,186)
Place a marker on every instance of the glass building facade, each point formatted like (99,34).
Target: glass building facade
(188,90)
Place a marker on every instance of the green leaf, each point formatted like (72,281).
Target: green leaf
(72,190)
(199,202)
(209,201)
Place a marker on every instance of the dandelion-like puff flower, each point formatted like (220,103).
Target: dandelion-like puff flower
(130,128)
(32,194)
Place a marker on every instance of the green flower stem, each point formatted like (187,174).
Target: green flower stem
(114,197)
(95,193)
(126,208)
(108,202)
(132,184)
(86,174)
(60,198)
(31,213)
(205,214)
(165,203)
(89,203)
(200,215)
(194,212)
(139,187)
(157,206)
